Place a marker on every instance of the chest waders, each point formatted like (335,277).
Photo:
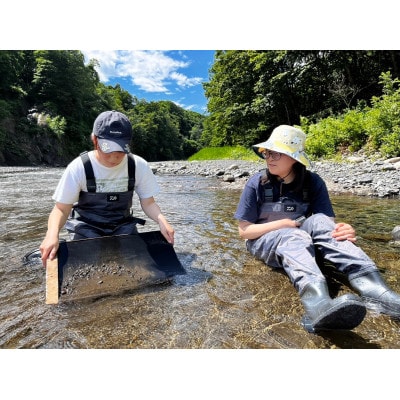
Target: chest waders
(293,249)
(281,209)
(285,207)
(103,214)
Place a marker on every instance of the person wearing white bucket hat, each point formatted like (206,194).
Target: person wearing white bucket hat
(287,140)
(287,219)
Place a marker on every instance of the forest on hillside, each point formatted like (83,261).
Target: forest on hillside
(50,98)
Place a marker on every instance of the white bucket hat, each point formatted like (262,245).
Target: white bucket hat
(287,140)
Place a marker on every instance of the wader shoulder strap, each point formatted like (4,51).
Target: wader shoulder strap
(90,179)
(131,171)
(268,192)
(306,188)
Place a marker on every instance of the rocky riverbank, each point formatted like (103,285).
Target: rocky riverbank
(355,175)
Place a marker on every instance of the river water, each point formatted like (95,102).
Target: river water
(227,299)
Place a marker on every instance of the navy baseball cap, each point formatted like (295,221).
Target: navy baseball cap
(114,131)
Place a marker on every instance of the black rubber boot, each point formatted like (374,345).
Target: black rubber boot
(324,313)
(376,294)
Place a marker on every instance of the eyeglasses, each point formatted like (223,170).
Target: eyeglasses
(273,154)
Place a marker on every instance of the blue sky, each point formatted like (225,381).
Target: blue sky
(153,72)
(155,75)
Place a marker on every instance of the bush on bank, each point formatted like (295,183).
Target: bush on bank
(374,128)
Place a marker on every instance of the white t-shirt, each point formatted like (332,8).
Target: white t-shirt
(114,179)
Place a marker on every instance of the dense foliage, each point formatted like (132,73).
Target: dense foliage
(49,100)
(375,128)
(344,100)
(164,131)
(251,92)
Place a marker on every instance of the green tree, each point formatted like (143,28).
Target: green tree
(63,86)
(50,98)
(251,92)
(161,130)
(16,69)
(372,128)
(116,98)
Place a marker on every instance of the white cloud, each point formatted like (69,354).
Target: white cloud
(107,60)
(184,81)
(151,71)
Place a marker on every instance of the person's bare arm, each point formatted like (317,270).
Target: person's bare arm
(56,221)
(152,210)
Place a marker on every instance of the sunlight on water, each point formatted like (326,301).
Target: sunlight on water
(227,299)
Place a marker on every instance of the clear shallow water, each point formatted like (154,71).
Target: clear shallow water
(227,300)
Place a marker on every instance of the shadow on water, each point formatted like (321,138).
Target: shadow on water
(226,300)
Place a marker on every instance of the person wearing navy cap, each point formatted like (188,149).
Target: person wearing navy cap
(94,195)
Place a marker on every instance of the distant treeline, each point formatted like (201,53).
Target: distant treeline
(50,98)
